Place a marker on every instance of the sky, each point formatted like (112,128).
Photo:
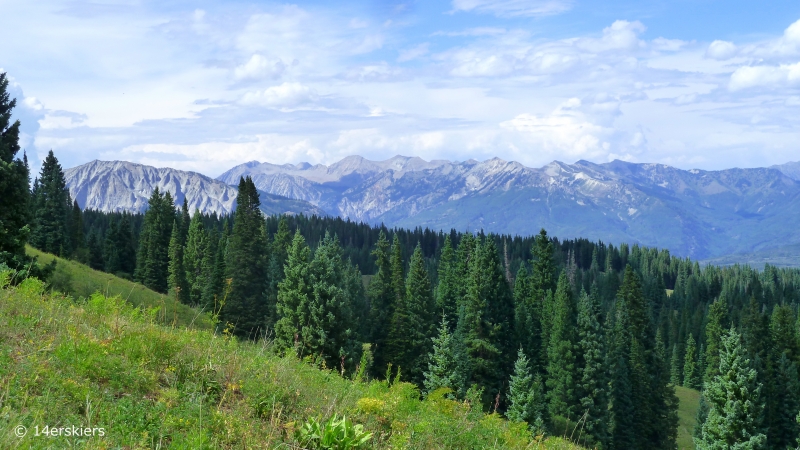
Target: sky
(206,85)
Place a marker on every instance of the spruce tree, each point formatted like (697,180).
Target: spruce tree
(398,272)
(442,369)
(734,401)
(96,261)
(526,401)
(542,285)
(197,250)
(784,430)
(691,376)
(14,186)
(177,275)
(382,301)
(411,328)
(561,370)
(77,238)
(53,207)
(294,292)
(447,290)
(715,329)
(246,265)
(676,367)
(152,260)
(329,329)
(592,382)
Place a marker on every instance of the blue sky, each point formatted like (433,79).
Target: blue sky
(206,85)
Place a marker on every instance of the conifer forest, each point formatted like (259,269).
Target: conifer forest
(554,333)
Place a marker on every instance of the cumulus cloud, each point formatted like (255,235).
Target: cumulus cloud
(565,131)
(621,35)
(765,76)
(259,67)
(287,95)
(514,8)
(721,50)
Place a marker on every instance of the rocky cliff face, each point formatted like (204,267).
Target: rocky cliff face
(125,186)
(693,213)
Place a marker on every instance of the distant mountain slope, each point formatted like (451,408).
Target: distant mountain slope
(695,213)
(790,169)
(125,186)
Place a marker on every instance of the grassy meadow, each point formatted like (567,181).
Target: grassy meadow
(102,362)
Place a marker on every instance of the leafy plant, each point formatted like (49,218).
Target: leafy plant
(335,434)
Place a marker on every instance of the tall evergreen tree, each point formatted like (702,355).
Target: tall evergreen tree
(177,276)
(442,369)
(561,370)
(592,383)
(542,283)
(398,271)
(715,329)
(676,367)
(382,301)
(246,265)
(52,209)
(14,185)
(294,292)
(96,261)
(76,237)
(447,290)
(526,401)
(195,257)
(783,428)
(411,327)
(734,401)
(691,376)
(152,261)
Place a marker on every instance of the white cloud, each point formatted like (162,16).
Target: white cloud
(260,67)
(286,96)
(721,50)
(514,8)
(566,131)
(765,76)
(621,35)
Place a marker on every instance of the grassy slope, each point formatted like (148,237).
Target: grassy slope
(101,362)
(79,281)
(687,413)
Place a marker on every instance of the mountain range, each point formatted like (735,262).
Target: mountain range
(695,213)
(115,186)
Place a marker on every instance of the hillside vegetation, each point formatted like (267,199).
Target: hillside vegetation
(100,362)
(79,281)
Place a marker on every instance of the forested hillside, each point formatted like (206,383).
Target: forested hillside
(561,335)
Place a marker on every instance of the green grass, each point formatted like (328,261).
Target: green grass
(80,281)
(689,402)
(100,362)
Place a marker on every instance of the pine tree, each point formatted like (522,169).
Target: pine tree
(398,272)
(621,407)
(294,293)
(447,290)
(96,261)
(246,265)
(561,370)
(77,238)
(691,376)
(526,401)
(442,370)
(734,401)
(592,382)
(676,367)
(53,207)
(213,291)
(152,260)
(14,186)
(411,328)
(177,280)
(329,329)
(382,301)
(784,430)
(542,284)
(197,250)
(715,329)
